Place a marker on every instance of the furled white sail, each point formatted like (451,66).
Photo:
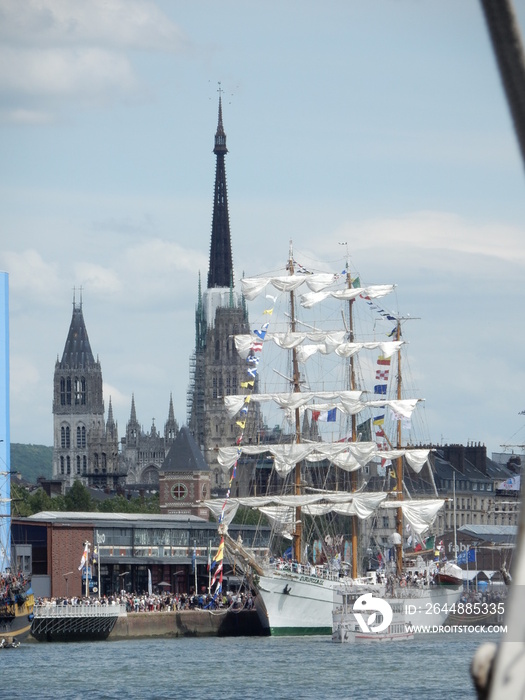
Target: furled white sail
(347,455)
(346,401)
(324,342)
(373,292)
(253,286)
(361,504)
(293,400)
(419,513)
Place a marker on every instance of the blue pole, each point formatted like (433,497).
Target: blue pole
(5,458)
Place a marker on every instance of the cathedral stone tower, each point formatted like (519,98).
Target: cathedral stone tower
(143,452)
(217,369)
(85,447)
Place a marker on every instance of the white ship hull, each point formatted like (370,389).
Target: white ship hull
(299,604)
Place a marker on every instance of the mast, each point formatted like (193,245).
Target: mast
(353,475)
(399,463)
(454,511)
(297,535)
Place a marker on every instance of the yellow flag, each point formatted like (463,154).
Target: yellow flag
(268,311)
(245,385)
(247,399)
(220,552)
(241,423)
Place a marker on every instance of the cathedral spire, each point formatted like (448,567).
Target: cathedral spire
(221,268)
(111,426)
(77,350)
(171,412)
(133,416)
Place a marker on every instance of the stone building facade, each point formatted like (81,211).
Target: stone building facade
(85,446)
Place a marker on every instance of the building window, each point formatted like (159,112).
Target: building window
(68,464)
(78,464)
(68,391)
(81,436)
(61,465)
(65,437)
(474,486)
(179,492)
(62,392)
(84,464)
(482,487)
(77,390)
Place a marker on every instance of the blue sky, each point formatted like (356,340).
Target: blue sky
(382,124)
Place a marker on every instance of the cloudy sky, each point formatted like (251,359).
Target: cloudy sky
(380,124)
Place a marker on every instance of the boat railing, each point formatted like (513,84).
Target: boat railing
(42,611)
(307,570)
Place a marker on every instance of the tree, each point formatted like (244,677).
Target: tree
(78,498)
(39,501)
(20,501)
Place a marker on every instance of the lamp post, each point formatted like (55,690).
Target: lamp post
(121,576)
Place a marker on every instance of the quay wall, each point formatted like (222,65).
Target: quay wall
(187,623)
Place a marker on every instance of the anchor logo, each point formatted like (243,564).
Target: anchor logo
(368,603)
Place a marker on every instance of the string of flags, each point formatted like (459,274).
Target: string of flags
(252,362)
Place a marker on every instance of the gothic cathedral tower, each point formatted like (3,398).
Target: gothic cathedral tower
(216,367)
(84,446)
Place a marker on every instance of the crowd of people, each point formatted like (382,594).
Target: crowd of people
(12,586)
(161,602)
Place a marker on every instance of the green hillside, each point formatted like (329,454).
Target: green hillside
(32,461)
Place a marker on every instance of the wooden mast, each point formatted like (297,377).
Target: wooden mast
(399,463)
(297,535)
(353,475)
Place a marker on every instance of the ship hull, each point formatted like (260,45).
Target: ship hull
(301,605)
(16,620)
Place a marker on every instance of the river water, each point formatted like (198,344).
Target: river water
(431,667)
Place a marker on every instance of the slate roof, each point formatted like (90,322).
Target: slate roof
(498,534)
(184,455)
(77,350)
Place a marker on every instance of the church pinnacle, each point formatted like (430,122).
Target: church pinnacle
(220,271)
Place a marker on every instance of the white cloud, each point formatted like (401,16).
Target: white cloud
(120,402)
(134,24)
(57,50)
(161,270)
(83,72)
(26,116)
(443,231)
(99,280)
(30,276)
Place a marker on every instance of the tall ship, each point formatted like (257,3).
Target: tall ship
(16,596)
(317,491)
